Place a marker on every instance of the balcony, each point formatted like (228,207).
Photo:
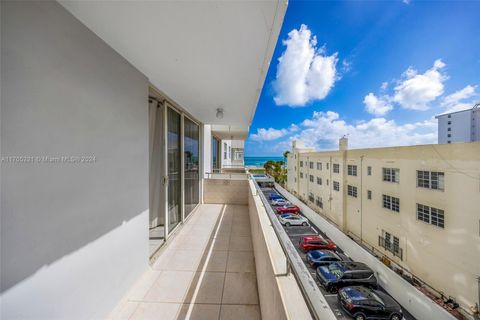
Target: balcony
(224,262)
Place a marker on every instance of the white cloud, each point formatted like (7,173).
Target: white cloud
(273,134)
(377,106)
(268,134)
(323,130)
(416,90)
(457,100)
(384,85)
(304,72)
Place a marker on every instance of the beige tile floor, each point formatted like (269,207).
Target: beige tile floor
(207,271)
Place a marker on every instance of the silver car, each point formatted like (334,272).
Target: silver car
(293,220)
(280,202)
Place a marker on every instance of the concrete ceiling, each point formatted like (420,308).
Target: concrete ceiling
(203,55)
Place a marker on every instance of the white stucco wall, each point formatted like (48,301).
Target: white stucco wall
(73,235)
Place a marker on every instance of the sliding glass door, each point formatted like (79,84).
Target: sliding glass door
(215,155)
(191,155)
(174,168)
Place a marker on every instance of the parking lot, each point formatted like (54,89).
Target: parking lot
(295,233)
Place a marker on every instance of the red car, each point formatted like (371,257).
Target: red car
(308,243)
(289,208)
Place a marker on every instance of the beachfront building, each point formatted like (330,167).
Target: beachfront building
(459,126)
(417,205)
(112,116)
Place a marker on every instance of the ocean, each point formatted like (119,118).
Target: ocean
(260,161)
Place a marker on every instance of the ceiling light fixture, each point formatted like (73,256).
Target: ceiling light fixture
(219,113)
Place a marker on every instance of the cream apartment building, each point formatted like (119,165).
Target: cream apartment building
(419,205)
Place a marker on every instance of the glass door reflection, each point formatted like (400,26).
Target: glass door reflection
(174,169)
(191,155)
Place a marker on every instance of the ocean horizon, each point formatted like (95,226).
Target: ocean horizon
(260,161)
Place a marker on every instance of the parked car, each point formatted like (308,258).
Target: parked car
(316,258)
(274,196)
(308,243)
(363,303)
(293,220)
(280,202)
(288,208)
(342,273)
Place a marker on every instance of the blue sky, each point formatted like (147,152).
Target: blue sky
(378,71)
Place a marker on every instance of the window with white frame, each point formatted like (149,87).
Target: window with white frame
(352,191)
(301,174)
(224,151)
(369,194)
(310,197)
(369,170)
(431,180)
(319,166)
(391,243)
(319,180)
(311,178)
(431,215)
(336,168)
(391,203)
(301,164)
(336,185)
(391,175)
(311,164)
(352,170)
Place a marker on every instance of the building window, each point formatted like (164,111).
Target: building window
(311,178)
(295,168)
(327,165)
(224,151)
(311,165)
(352,191)
(352,170)
(449,116)
(390,243)
(319,202)
(369,170)
(319,180)
(369,194)
(391,175)
(310,197)
(301,164)
(449,135)
(295,179)
(336,186)
(327,182)
(449,122)
(301,174)
(229,152)
(449,129)
(431,180)
(449,141)
(319,166)
(336,168)
(431,215)
(391,203)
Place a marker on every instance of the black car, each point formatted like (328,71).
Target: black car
(316,258)
(363,303)
(343,273)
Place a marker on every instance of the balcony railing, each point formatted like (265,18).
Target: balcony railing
(389,246)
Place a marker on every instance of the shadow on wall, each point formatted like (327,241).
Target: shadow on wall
(65,93)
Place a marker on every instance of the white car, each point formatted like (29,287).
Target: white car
(280,202)
(293,220)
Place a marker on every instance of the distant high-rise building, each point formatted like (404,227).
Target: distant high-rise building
(459,126)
